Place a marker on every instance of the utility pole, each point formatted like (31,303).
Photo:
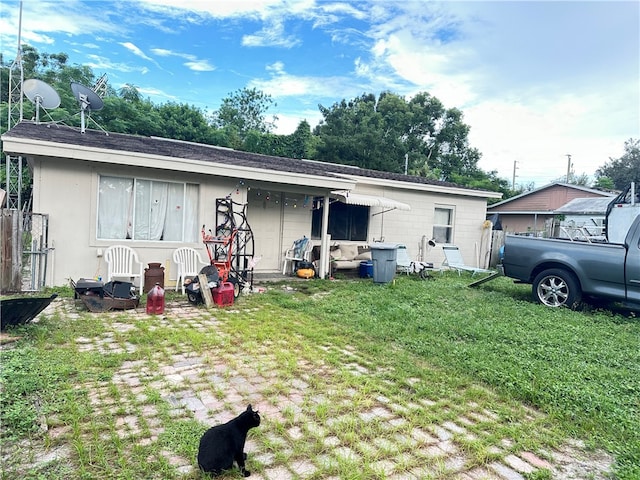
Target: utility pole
(513,182)
(568,167)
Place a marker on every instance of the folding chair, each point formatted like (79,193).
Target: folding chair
(403,262)
(453,260)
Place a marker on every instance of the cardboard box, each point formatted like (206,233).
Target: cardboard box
(223,295)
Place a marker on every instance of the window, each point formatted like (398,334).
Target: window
(136,209)
(443,225)
(346,222)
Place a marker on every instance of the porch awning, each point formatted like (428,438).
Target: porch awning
(350,198)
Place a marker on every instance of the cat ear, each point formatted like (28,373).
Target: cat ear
(249,408)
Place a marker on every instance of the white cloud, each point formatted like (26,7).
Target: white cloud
(213,8)
(282,84)
(288,122)
(98,62)
(271,35)
(528,96)
(193,63)
(135,50)
(200,66)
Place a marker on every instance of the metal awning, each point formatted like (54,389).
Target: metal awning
(351,198)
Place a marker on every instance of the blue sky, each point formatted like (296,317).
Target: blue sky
(535,80)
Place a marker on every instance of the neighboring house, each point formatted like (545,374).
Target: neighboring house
(155,195)
(533,212)
(583,217)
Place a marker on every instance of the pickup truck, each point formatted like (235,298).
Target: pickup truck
(562,271)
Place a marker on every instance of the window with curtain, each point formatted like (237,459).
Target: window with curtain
(137,209)
(443,224)
(346,222)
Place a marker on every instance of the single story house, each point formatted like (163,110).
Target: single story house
(156,194)
(533,212)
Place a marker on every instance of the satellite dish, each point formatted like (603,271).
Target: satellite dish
(41,94)
(88,100)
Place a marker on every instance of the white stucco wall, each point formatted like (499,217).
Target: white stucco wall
(67,190)
(408,227)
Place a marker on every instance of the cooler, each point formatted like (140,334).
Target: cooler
(366,269)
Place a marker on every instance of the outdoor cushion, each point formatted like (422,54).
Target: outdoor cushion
(349,252)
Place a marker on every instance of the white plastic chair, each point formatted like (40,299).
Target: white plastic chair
(453,260)
(189,262)
(299,251)
(123,263)
(403,262)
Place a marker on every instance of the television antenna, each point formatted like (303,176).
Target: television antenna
(42,95)
(89,102)
(100,86)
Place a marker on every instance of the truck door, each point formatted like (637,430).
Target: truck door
(633,266)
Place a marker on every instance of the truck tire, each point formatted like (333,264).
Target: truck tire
(556,287)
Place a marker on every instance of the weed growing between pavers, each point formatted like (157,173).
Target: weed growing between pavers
(352,395)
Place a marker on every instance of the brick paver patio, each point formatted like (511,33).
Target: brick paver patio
(213,387)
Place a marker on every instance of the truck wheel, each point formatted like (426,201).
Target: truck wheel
(556,288)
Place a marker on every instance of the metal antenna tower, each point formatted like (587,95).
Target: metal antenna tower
(14,164)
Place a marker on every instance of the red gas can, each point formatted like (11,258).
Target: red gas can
(223,295)
(155,300)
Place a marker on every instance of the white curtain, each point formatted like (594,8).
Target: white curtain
(175,212)
(157,211)
(150,210)
(114,201)
(191,226)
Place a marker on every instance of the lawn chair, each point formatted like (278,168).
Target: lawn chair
(453,260)
(123,262)
(404,264)
(300,251)
(188,261)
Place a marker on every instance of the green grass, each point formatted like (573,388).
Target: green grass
(583,368)
(435,341)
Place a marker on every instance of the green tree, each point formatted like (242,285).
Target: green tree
(245,110)
(184,122)
(389,132)
(604,183)
(355,133)
(626,169)
(574,179)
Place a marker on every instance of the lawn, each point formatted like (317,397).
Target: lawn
(436,351)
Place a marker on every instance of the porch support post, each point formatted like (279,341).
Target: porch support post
(324,239)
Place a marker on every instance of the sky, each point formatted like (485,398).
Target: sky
(546,86)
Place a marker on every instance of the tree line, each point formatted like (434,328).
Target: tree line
(387,132)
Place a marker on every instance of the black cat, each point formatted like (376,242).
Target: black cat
(222,444)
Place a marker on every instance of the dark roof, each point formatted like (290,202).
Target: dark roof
(585,206)
(196,151)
